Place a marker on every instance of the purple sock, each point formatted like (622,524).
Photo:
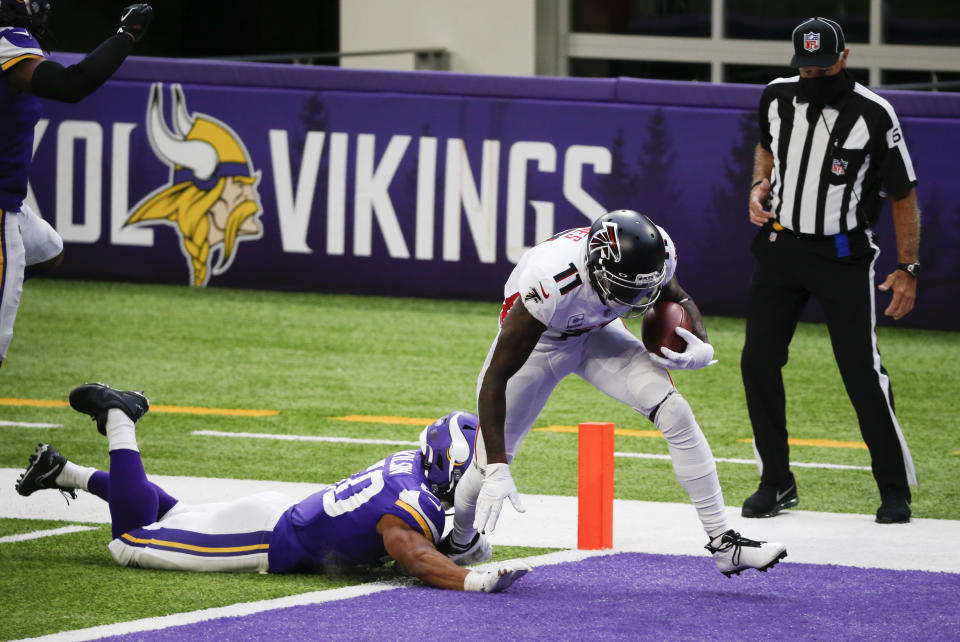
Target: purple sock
(133,500)
(99,485)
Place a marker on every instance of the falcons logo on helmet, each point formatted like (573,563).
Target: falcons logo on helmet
(607,242)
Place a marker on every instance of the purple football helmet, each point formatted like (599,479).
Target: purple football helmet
(446,448)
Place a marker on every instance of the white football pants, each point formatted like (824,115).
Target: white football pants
(615,362)
(223,536)
(25,239)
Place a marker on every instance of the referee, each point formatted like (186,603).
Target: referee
(828,145)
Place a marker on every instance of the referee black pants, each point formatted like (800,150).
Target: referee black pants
(839,273)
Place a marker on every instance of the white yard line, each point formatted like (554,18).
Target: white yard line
(264,435)
(751,462)
(22,537)
(27,424)
(350,440)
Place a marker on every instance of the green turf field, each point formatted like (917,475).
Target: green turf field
(315,358)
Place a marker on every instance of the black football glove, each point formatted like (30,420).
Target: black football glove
(135,19)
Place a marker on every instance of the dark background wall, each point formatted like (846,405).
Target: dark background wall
(204,28)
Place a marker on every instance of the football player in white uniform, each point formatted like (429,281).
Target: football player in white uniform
(561,315)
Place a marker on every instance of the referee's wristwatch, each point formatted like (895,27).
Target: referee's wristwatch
(913,269)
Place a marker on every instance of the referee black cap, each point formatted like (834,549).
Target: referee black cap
(817,42)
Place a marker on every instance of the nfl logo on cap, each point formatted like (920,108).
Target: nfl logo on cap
(817,42)
(811,42)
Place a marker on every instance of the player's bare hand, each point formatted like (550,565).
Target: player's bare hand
(497,486)
(904,289)
(758,215)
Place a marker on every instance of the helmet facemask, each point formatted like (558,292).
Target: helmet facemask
(637,295)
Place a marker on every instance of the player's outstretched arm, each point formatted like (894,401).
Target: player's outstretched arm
(49,79)
(415,553)
(519,334)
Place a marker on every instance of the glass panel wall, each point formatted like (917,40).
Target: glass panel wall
(690,18)
(921,22)
(765,20)
(921,80)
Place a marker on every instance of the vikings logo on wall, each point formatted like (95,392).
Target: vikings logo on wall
(211,199)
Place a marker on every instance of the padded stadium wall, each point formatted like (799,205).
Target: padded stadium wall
(427,184)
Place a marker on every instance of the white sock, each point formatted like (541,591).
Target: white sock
(693,462)
(75,476)
(120,431)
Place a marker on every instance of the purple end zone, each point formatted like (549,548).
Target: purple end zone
(629,596)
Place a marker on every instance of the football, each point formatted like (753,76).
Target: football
(659,327)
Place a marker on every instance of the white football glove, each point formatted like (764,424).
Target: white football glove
(496,580)
(697,354)
(476,551)
(497,486)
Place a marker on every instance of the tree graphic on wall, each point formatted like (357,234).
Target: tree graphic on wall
(649,187)
(726,219)
(618,189)
(657,194)
(940,235)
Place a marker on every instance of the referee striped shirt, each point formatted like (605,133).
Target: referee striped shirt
(829,162)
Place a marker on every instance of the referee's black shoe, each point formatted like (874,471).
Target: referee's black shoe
(894,509)
(770,499)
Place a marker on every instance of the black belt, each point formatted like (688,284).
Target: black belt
(840,243)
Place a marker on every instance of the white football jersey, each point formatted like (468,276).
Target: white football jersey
(552,281)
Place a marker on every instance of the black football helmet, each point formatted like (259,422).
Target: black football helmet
(626,259)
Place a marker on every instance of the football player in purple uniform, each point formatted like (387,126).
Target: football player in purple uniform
(392,509)
(28,244)
(562,314)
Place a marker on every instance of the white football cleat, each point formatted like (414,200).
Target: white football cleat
(476,551)
(733,553)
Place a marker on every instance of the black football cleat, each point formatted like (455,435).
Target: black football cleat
(771,499)
(95,399)
(894,510)
(41,473)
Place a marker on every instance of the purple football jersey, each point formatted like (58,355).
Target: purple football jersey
(337,526)
(19,114)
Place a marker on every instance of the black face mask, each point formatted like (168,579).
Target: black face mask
(824,90)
